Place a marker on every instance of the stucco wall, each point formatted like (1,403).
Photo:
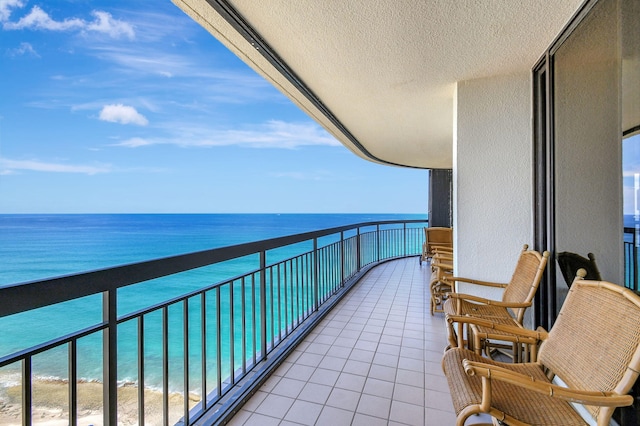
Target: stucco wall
(493,176)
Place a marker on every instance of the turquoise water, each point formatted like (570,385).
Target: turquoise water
(35,247)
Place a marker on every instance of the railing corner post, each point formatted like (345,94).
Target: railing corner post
(316,269)
(110,356)
(263,304)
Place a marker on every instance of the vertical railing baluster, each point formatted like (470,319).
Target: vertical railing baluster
(635,257)
(73,382)
(405,239)
(244,324)
(286,300)
(203,348)
(27,392)
(279,283)
(218,343)
(232,349)
(342,259)
(141,369)
(263,304)
(315,274)
(299,306)
(378,241)
(110,357)
(254,324)
(358,248)
(165,366)
(185,342)
(271,308)
(319,277)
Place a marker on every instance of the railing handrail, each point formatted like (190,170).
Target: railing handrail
(68,287)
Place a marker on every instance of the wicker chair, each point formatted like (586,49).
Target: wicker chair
(517,296)
(436,237)
(441,269)
(489,335)
(593,349)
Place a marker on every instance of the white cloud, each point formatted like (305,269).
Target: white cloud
(8,166)
(5,8)
(272,134)
(134,143)
(38,19)
(24,49)
(104,23)
(122,114)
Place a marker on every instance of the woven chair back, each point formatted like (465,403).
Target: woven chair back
(525,280)
(438,237)
(594,343)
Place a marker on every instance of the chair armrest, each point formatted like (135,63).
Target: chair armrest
(477,282)
(438,263)
(484,301)
(539,334)
(491,372)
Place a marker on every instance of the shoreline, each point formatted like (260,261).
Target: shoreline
(50,404)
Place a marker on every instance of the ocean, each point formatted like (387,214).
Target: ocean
(39,246)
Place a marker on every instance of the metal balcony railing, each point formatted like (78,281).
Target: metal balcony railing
(631,257)
(229,333)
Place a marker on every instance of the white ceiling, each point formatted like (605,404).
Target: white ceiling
(387,69)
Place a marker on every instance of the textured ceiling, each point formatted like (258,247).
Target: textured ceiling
(387,69)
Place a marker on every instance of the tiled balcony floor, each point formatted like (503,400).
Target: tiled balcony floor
(374,360)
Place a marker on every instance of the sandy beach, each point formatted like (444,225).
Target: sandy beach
(50,400)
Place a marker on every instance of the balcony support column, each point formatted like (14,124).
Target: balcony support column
(440,196)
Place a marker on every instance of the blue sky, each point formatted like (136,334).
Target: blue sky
(121,106)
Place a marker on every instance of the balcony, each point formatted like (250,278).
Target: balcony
(327,327)
(219,340)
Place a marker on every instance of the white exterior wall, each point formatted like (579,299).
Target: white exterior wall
(493,177)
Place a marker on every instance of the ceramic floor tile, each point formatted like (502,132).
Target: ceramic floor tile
(335,417)
(288,387)
(323,376)
(364,420)
(351,382)
(374,406)
(339,352)
(303,412)
(356,367)
(343,398)
(378,387)
(314,392)
(275,406)
(261,420)
(409,394)
(300,372)
(407,413)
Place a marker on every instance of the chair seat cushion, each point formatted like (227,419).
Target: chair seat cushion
(528,406)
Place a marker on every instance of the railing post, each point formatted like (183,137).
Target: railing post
(406,242)
(635,257)
(342,258)
(316,269)
(378,242)
(263,304)
(110,357)
(358,261)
